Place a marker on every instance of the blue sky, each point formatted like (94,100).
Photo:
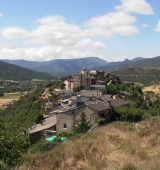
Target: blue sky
(110,29)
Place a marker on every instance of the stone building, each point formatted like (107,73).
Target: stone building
(91,93)
(82,81)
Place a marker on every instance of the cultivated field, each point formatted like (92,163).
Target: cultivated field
(8,97)
(155,89)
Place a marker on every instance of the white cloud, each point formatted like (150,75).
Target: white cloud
(45,53)
(145,25)
(9,45)
(88,43)
(111,20)
(99,32)
(125,30)
(158,48)
(1,14)
(115,22)
(58,39)
(136,6)
(157,29)
(14,32)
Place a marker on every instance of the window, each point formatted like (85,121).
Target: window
(65,126)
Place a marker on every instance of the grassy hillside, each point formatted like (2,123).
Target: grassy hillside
(24,111)
(14,72)
(142,75)
(117,146)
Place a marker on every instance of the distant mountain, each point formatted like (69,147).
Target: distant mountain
(11,71)
(138,59)
(135,63)
(25,63)
(60,66)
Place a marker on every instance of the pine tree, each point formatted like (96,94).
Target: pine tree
(83,125)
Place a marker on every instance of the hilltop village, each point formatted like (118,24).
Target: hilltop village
(85,92)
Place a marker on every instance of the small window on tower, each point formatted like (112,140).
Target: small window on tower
(65,126)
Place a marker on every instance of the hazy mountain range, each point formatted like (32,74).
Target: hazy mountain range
(61,67)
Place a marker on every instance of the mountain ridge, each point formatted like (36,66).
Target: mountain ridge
(60,66)
(11,71)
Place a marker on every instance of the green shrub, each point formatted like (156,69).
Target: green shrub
(100,120)
(42,146)
(129,113)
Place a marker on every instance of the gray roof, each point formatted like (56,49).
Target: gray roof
(118,102)
(66,96)
(126,93)
(80,99)
(56,108)
(48,123)
(99,106)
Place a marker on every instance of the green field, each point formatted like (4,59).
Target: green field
(11,96)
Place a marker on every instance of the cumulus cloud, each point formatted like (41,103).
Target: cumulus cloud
(9,45)
(44,53)
(136,6)
(14,32)
(115,22)
(88,43)
(54,30)
(58,39)
(157,29)
(99,32)
(145,25)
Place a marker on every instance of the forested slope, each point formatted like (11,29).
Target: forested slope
(14,72)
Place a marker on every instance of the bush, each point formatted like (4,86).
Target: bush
(129,113)
(100,120)
(1,93)
(42,146)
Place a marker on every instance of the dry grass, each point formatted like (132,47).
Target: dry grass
(118,146)
(155,89)
(8,97)
(3,101)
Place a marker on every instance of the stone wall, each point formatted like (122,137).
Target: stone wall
(67,120)
(35,137)
(91,93)
(91,116)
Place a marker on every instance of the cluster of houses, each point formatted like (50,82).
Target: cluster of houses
(64,115)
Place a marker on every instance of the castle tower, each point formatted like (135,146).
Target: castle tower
(84,71)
